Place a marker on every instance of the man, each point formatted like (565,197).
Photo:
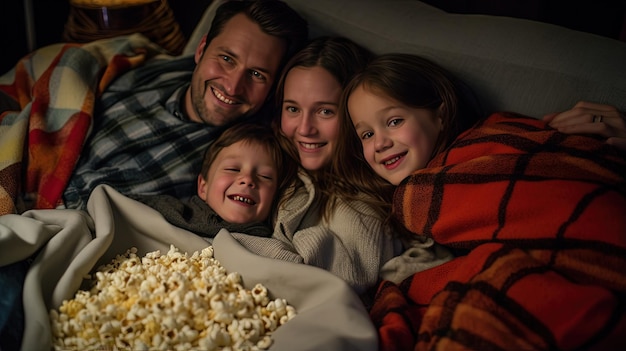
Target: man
(153,124)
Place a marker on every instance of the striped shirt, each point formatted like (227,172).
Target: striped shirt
(141,142)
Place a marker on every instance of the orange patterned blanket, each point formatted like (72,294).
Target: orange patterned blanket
(538,219)
(55,88)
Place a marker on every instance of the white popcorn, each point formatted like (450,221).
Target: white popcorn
(168,302)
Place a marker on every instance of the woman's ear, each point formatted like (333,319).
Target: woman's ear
(202,187)
(441,110)
(200,49)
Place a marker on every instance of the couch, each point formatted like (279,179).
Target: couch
(512,64)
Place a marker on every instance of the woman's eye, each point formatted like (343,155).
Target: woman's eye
(291,109)
(325,112)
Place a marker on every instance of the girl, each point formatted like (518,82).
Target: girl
(535,216)
(429,107)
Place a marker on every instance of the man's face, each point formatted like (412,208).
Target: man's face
(235,73)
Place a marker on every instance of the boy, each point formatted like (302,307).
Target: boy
(237,186)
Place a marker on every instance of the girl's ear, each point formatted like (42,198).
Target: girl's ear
(441,110)
(200,49)
(202,185)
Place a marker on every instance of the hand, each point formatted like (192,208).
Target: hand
(592,118)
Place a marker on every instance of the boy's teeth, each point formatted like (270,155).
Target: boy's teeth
(242,199)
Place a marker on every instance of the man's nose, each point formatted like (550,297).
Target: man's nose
(236,81)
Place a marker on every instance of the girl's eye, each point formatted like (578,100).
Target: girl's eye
(232,169)
(395,122)
(268,177)
(366,135)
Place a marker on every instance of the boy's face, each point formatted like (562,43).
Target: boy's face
(241,183)
(397,139)
(234,72)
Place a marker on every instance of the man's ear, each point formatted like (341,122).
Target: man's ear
(202,185)
(200,49)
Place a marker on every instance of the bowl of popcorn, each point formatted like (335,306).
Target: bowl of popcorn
(168,301)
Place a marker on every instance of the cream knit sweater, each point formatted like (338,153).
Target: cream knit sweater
(353,244)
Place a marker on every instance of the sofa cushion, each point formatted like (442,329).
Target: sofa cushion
(513,64)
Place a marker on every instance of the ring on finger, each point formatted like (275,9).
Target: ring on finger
(597,118)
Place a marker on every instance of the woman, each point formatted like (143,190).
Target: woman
(324,219)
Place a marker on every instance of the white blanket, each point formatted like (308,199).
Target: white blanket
(69,244)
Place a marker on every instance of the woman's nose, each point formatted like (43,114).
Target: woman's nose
(306,125)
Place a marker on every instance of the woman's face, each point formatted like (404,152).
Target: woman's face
(397,139)
(309,114)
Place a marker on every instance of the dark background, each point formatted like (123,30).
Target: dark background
(603,17)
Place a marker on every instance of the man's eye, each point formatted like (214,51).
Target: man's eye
(257,75)
(227,58)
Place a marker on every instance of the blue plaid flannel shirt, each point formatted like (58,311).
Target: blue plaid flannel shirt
(141,142)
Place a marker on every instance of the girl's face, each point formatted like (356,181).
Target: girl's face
(241,183)
(309,114)
(397,139)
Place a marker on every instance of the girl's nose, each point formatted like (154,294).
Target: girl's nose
(382,142)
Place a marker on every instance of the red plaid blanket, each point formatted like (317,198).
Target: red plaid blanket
(539,218)
(56,88)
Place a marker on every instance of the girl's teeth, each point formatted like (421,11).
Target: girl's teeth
(392,160)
